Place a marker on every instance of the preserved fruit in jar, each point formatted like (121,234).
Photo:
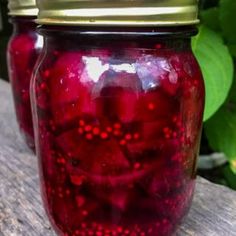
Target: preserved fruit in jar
(23,51)
(117,116)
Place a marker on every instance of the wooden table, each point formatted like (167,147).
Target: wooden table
(21,213)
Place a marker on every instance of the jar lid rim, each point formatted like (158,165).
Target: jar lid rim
(22,8)
(128,12)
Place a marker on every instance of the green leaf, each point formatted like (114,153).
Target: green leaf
(232,93)
(230,177)
(232,49)
(210,18)
(221,132)
(233,166)
(217,67)
(228,19)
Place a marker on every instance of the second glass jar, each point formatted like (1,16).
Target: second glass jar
(22,53)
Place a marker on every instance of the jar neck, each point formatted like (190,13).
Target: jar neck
(132,37)
(178,31)
(23,24)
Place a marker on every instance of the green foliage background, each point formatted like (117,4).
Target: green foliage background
(215,50)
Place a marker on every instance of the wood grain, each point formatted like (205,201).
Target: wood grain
(213,212)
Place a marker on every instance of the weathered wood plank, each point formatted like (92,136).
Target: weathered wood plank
(213,212)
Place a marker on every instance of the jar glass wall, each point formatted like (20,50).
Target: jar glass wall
(117,118)
(23,50)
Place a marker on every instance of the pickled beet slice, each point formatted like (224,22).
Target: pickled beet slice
(69,211)
(63,114)
(136,149)
(124,179)
(118,78)
(127,106)
(172,206)
(117,104)
(101,157)
(21,48)
(70,112)
(121,180)
(118,97)
(147,152)
(155,105)
(113,197)
(171,83)
(70,143)
(108,159)
(169,182)
(142,150)
(182,63)
(70,97)
(65,81)
(192,92)
(154,129)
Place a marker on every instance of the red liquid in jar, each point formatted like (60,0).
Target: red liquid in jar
(118,139)
(23,51)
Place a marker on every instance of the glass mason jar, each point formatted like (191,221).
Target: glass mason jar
(117,116)
(23,50)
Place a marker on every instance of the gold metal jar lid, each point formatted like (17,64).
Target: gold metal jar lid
(22,8)
(118,12)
